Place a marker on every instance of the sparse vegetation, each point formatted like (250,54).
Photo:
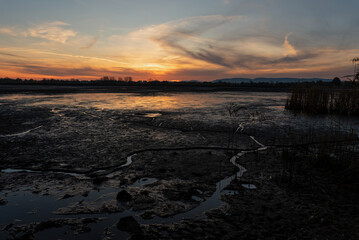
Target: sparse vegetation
(329,159)
(323,153)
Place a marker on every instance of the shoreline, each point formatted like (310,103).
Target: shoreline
(55,89)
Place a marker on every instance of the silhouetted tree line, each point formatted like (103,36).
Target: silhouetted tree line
(104,81)
(128,81)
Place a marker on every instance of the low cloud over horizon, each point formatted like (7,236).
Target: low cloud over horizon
(214,39)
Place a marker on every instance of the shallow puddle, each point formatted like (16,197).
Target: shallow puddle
(230,192)
(249,186)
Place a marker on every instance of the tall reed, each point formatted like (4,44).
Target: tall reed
(316,99)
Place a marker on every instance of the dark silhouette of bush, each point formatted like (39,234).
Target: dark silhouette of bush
(336,81)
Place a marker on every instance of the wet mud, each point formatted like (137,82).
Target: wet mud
(73,168)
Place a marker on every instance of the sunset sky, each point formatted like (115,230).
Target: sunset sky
(178,40)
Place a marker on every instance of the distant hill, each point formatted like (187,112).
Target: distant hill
(270,80)
(233,80)
(191,81)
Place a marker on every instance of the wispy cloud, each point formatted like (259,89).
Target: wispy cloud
(92,43)
(185,37)
(8,31)
(43,53)
(290,50)
(196,39)
(53,31)
(51,70)
(11,55)
(203,47)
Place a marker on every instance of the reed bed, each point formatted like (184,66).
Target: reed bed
(323,100)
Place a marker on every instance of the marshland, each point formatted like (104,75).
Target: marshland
(178,165)
(206,119)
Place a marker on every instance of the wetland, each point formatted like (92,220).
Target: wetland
(174,165)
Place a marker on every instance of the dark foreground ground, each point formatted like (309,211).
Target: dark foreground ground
(73,184)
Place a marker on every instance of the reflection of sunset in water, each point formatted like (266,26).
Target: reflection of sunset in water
(160,101)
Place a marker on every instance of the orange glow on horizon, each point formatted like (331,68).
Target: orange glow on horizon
(29,63)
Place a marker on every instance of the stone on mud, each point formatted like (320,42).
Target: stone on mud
(124,196)
(3,201)
(129,224)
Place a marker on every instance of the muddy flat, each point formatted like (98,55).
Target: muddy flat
(167,165)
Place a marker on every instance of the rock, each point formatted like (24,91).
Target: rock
(99,180)
(129,224)
(86,193)
(67,196)
(3,201)
(123,196)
